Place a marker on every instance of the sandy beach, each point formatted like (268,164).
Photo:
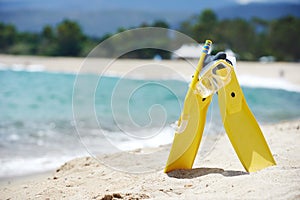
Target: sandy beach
(217,175)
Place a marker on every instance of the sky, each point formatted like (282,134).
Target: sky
(126,4)
(31,15)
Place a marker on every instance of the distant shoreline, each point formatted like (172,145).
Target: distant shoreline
(248,72)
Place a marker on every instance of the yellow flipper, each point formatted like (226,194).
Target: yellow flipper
(242,128)
(191,123)
(186,143)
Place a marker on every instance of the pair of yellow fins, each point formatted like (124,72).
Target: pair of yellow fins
(241,126)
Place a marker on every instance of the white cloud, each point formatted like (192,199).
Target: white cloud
(248,1)
(266,1)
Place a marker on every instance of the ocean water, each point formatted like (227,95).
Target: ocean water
(43,123)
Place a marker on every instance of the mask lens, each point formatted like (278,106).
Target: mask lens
(206,87)
(216,76)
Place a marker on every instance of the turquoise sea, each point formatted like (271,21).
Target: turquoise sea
(38,130)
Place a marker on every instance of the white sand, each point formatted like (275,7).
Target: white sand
(216,176)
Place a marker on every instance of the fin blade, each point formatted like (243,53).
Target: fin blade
(242,128)
(185,144)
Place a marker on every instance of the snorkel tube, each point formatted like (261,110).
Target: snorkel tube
(192,88)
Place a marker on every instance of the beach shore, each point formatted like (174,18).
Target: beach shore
(167,69)
(217,175)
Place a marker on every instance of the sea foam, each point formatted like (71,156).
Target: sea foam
(25,166)
(268,83)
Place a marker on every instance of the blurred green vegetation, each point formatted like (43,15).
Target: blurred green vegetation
(250,39)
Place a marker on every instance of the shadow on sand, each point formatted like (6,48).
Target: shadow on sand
(198,172)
